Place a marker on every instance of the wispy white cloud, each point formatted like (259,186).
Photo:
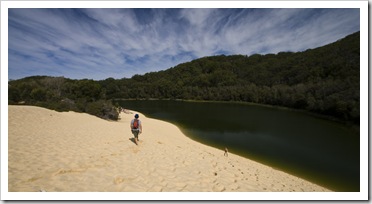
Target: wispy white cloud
(102,43)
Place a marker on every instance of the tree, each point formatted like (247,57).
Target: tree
(323,80)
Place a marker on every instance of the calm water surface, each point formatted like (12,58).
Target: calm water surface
(321,151)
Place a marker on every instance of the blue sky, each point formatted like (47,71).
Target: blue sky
(102,43)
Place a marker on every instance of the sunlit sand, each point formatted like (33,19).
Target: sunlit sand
(75,152)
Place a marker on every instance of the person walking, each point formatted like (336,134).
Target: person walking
(136,128)
(226,152)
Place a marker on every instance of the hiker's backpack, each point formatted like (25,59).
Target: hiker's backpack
(135,124)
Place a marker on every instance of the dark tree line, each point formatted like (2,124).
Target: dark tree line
(324,80)
(61,94)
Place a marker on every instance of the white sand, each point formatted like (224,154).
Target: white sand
(74,152)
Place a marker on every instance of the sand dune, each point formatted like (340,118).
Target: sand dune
(74,152)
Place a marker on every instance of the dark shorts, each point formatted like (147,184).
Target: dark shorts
(135,133)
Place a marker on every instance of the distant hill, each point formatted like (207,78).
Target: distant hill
(324,80)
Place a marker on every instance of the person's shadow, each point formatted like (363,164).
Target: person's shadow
(132,139)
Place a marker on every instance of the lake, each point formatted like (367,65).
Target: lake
(322,151)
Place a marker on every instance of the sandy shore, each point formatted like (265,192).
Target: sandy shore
(74,152)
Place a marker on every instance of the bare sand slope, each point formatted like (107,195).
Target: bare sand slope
(75,152)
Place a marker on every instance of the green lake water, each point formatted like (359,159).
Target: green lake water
(321,151)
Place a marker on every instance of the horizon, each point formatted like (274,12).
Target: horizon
(120,43)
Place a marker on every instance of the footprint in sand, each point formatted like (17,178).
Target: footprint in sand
(119,180)
(135,150)
(34,179)
(63,171)
(218,187)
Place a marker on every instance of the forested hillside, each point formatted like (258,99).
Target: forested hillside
(61,94)
(324,80)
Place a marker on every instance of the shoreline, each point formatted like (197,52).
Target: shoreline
(65,151)
(356,127)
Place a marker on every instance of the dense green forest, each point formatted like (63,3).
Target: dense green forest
(325,80)
(61,94)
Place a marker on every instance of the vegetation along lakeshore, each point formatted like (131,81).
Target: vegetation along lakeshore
(324,81)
